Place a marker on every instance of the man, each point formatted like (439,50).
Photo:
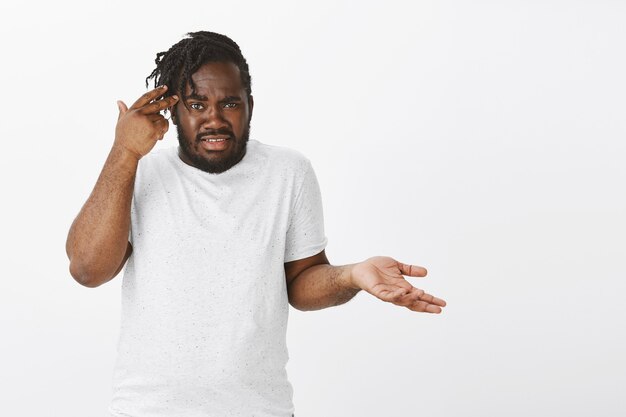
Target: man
(221,234)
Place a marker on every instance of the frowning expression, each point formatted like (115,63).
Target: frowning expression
(213,122)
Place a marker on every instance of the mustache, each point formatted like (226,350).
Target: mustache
(215,132)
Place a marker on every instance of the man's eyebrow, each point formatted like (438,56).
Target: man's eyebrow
(196,97)
(230,99)
(204,98)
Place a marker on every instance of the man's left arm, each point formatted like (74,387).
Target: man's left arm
(314,284)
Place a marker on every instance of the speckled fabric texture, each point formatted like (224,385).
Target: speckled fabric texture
(204,298)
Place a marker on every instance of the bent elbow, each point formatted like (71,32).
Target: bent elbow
(86,277)
(303,306)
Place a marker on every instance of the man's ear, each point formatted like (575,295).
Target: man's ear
(172,111)
(250,106)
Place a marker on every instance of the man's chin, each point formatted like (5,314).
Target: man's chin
(212,161)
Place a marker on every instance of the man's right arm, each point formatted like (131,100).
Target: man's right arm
(97,243)
(98,238)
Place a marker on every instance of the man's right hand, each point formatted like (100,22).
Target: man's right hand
(140,126)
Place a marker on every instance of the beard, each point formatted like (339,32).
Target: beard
(199,157)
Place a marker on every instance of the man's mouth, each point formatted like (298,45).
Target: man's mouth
(213,139)
(214,142)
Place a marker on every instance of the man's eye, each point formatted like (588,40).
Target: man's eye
(230,105)
(196,106)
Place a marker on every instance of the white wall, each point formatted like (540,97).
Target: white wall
(484,140)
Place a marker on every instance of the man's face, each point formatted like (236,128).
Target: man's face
(213,128)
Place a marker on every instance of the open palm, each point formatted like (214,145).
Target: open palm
(382,277)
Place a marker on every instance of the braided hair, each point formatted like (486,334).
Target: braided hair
(175,67)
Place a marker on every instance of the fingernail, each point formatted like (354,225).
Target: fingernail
(163,87)
(175,97)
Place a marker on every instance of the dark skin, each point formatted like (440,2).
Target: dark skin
(219,109)
(97,243)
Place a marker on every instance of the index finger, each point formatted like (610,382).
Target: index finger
(430,299)
(148,97)
(158,105)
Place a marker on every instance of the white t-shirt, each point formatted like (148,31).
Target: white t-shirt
(204,297)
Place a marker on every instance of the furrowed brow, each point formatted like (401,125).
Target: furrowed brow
(230,99)
(196,97)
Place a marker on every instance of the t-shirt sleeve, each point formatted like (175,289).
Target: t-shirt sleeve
(305,235)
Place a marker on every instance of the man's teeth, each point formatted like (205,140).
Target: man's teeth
(214,140)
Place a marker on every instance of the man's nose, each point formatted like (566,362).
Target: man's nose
(214,118)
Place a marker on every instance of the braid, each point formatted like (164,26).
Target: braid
(175,67)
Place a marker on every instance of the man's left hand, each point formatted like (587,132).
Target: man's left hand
(382,277)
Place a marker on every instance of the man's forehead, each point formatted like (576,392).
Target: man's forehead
(217,73)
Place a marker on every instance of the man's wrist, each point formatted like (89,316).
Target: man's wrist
(347,277)
(124,155)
